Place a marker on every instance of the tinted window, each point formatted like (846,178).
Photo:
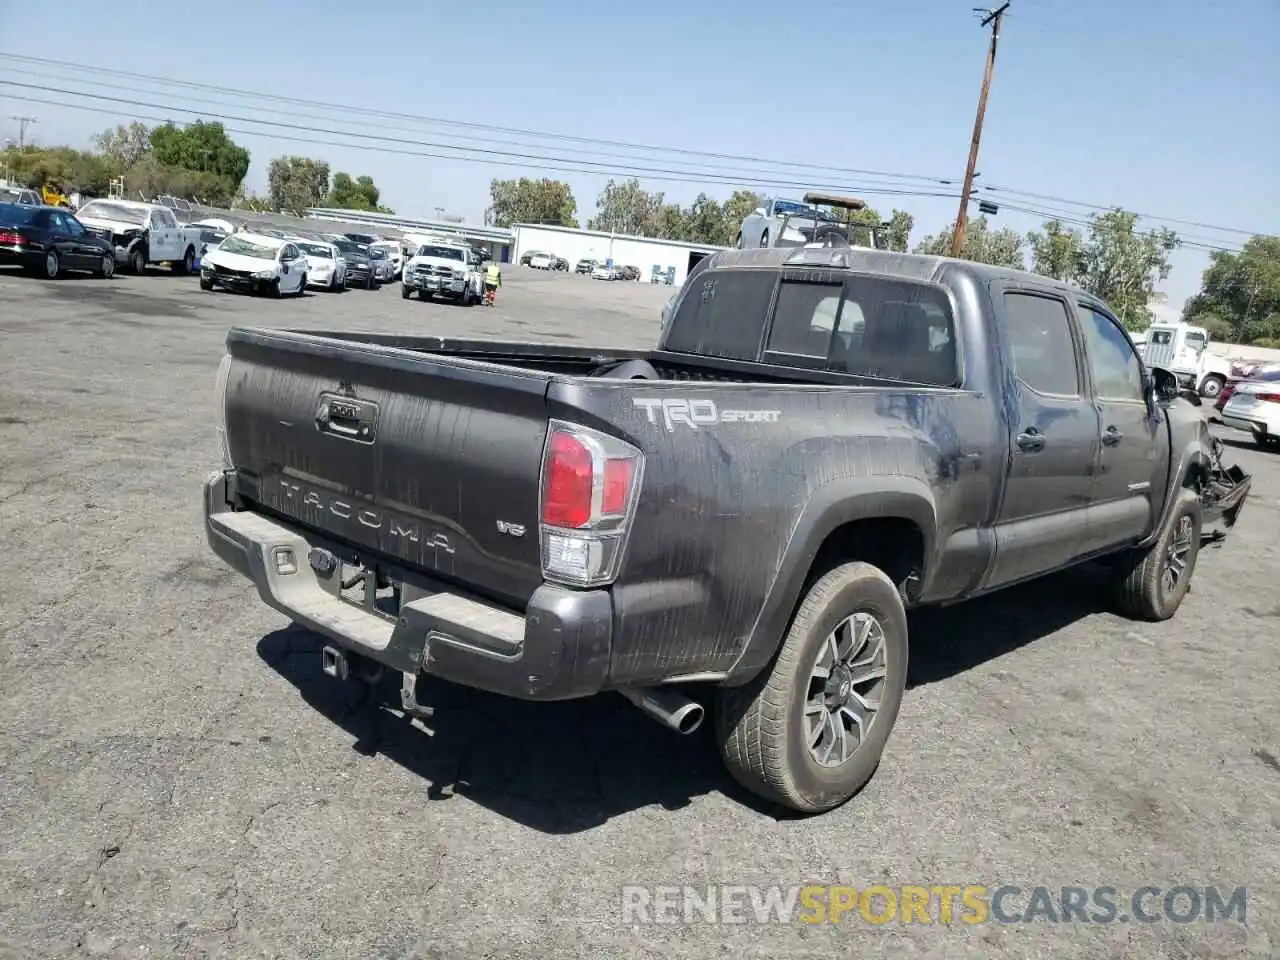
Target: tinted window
(14,215)
(803,319)
(1117,374)
(722,314)
(895,330)
(1039,332)
(74,226)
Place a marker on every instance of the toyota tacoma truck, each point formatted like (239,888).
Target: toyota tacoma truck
(739,518)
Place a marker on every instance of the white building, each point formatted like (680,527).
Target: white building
(649,255)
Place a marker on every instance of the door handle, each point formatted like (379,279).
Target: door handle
(1112,436)
(1031,440)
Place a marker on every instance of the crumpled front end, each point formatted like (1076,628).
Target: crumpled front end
(1223,497)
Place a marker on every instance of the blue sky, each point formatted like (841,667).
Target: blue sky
(1166,107)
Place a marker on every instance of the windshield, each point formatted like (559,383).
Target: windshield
(10,195)
(13,215)
(316,250)
(105,210)
(346,246)
(248,248)
(377,254)
(441,253)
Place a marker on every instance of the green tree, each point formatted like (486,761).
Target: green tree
(671,223)
(627,208)
(59,166)
(357,194)
(1056,251)
(899,230)
(1002,248)
(531,201)
(201,146)
(124,146)
(296,183)
(740,205)
(1241,291)
(704,223)
(149,179)
(1121,265)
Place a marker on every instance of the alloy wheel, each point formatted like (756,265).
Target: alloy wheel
(846,685)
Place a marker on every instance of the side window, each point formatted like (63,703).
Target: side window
(290,252)
(721,314)
(167,219)
(157,221)
(1117,372)
(895,330)
(1044,356)
(73,226)
(803,319)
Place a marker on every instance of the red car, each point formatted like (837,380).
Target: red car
(1270,375)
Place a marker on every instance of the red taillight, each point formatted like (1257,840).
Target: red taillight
(1268,397)
(589,484)
(566,501)
(10,238)
(617,487)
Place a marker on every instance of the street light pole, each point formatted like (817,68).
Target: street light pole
(991,18)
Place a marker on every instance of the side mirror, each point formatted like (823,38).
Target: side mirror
(759,211)
(1165,387)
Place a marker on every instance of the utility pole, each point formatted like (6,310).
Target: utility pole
(22,129)
(991,18)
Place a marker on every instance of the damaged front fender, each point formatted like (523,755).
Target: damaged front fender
(1223,495)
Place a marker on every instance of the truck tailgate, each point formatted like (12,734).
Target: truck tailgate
(428,460)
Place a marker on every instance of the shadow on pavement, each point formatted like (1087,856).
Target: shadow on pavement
(571,766)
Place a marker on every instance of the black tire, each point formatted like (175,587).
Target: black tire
(761,726)
(302,287)
(1212,386)
(368,284)
(52,264)
(106,267)
(184,266)
(206,284)
(138,261)
(1143,592)
(405,292)
(273,289)
(423,295)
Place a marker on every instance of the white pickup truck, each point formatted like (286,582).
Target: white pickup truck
(445,268)
(143,234)
(1183,350)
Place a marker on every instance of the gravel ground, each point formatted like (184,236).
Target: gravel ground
(180,779)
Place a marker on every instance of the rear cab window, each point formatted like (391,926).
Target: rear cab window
(863,326)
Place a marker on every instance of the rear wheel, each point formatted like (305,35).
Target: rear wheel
(52,265)
(1212,386)
(1154,581)
(809,731)
(184,266)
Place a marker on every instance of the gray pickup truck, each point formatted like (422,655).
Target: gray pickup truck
(822,439)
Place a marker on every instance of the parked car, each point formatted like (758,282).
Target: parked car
(365,239)
(542,261)
(685,521)
(50,241)
(526,258)
(394,253)
(560,263)
(255,263)
(384,270)
(359,264)
(603,271)
(1184,349)
(325,266)
(20,196)
(1253,405)
(142,234)
(1246,370)
(585,266)
(444,269)
(629,273)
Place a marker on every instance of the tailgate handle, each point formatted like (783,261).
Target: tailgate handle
(347,418)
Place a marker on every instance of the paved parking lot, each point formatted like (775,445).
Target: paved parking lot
(179,778)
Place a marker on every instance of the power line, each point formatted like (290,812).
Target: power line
(115,87)
(693,177)
(625,169)
(599,167)
(169,83)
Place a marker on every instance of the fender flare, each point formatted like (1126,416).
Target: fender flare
(829,507)
(1192,457)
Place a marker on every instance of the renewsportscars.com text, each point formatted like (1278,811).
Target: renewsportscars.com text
(933,904)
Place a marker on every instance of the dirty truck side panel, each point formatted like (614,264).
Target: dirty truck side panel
(449,442)
(741,487)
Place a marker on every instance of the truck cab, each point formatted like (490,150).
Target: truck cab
(1183,349)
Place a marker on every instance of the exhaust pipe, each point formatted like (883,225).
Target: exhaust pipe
(334,663)
(668,707)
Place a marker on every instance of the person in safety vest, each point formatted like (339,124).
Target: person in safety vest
(492,281)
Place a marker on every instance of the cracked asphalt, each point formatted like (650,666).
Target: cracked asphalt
(181,780)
